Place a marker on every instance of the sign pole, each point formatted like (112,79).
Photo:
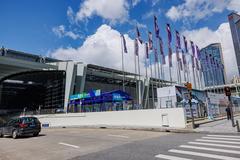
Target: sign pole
(189,88)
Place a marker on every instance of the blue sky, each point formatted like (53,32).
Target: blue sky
(69,29)
(27,25)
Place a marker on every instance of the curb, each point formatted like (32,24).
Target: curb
(153,129)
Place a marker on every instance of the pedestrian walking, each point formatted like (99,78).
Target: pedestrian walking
(229,116)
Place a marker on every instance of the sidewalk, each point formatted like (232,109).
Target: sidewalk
(218,126)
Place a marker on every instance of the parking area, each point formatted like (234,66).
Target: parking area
(67,143)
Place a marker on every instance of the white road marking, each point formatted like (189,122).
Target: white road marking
(218,138)
(162,156)
(226,136)
(69,145)
(214,144)
(211,149)
(203,154)
(119,136)
(215,141)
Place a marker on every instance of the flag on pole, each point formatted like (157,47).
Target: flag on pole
(156,55)
(185,44)
(184,58)
(161,46)
(138,35)
(193,64)
(156,27)
(146,47)
(178,41)
(136,48)
(193,48)
(150,41)
(124,44)
(169,33)
(170,56)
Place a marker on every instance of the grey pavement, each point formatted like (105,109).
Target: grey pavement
(116,144)
(220,126)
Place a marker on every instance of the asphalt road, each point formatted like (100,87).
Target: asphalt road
(114,144)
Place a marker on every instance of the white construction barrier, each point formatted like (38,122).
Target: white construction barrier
(169,117)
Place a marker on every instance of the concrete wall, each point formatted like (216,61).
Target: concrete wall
(172,117)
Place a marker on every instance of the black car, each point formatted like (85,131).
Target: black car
(21,126)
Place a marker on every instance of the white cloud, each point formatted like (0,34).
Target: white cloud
(135,2)
(60,31)
(151,13)
(199,9)
(205,36)
(70,15)
(102,48)
(112,10)
(155,2)
(234,5)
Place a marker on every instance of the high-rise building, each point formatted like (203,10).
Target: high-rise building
(212,63)
(234,21)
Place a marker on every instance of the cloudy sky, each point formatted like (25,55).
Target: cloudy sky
(89,30)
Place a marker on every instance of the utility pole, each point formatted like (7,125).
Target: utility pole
(189,88)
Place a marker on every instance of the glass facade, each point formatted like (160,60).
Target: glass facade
(212,65)
(234,21)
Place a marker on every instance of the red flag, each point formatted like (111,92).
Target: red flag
(124,44)
(150,41)
(156,27)
(146,47)
(136,47)
(139,35)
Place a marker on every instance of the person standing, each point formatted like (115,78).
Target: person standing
(229,116)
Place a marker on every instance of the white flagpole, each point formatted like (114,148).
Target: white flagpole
(123,65)
(177,71)
(157,63)
(152,85)
(139,82)
(135,69)
(146,69)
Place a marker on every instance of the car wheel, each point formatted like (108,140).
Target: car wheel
(14,134)
(1,135)
(36,134)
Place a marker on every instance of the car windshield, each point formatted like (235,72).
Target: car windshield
(26,120)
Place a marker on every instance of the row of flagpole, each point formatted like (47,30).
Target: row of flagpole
(182,65)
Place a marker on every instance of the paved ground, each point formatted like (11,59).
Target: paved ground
(113,144)
(67,143)
(221,126)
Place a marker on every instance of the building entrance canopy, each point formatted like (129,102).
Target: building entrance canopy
(113,96)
